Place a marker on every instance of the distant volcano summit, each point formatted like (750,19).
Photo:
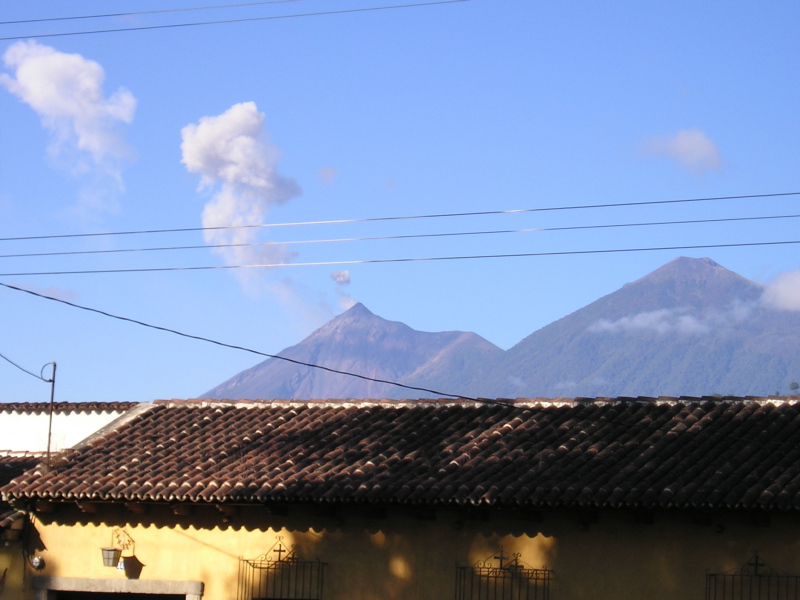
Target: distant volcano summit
(689,328)
(357,341)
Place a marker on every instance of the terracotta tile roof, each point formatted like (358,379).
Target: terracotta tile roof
(8,515)
(633,453)
(13,464)
(65,407)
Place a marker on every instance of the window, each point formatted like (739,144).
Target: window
(280,575)
(499,577)
(754,581)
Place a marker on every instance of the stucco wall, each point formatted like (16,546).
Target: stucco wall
(407,556)
(12,570)
(27,432)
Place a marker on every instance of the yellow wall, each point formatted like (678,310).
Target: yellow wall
(12,564)
(402,556)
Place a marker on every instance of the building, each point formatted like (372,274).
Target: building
(581,498)
(29,431)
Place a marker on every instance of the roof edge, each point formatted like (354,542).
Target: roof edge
(432,402)
(124,418)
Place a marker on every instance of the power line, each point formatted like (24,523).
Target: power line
(230,21)
(250,350)
(396,237)
(142,12)
(401,218)
(398,260)
(24,370)
(666,427)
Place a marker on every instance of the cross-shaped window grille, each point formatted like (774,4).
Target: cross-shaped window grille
(753,581)
(279,574)
(501,577)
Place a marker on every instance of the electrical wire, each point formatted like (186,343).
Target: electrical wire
(230,21)
(395,237)
(24,370)
(401,218)
(397,260)
(250,350)
(143,12)
(666,428)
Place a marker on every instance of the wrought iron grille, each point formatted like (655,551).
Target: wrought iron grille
(278,574)
(754,581)
(514,580)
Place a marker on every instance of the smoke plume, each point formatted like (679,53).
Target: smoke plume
(342,279)
(231,154)
(66,91)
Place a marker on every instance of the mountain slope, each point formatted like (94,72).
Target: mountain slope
(360,342)
(689,328)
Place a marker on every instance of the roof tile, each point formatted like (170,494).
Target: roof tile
(616,453)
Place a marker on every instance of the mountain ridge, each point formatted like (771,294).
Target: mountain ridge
(691,327)
(355,341)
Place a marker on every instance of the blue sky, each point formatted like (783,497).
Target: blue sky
(484,105)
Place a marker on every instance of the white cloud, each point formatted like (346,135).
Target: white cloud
(784,292)
(691,148)
(50,292)
(516,380)
(565,386)
(66,91)
(231,154)
(660,321)
(328,174)
(674,320)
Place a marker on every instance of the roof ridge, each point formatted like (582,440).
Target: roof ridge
(67,407)
(521,402)
(23,453)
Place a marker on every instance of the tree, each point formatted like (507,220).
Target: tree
(794,385)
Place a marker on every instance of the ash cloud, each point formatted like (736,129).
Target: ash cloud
(342,279)
(231,154)
(692,149)
(66,91)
